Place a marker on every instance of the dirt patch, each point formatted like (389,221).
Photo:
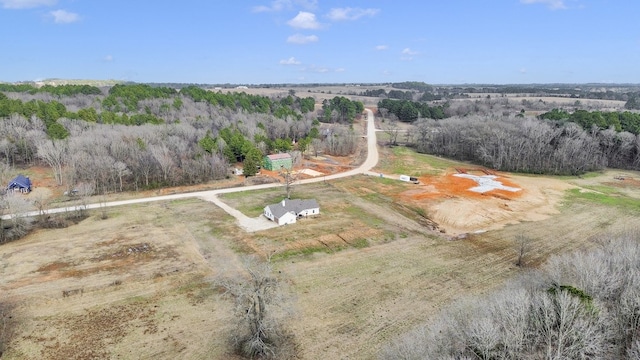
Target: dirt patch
(75,337)
(447,197)
(467,212)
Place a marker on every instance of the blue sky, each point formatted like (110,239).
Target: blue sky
(322,41)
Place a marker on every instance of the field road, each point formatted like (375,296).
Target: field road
(245,222)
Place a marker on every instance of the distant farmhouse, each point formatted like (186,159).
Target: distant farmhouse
(20,183)
(288,211)
(277,161)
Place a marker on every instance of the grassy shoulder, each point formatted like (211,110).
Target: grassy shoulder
(604,195)
(404,160)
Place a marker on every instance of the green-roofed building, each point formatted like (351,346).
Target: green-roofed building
(276,162)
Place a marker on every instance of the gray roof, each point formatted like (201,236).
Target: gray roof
(295,205)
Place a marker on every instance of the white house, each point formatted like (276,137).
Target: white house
(288,211)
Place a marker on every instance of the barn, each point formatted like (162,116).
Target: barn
(20,183)
(278,161)
(288,211)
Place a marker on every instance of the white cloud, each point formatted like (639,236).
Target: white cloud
(340,70)
(523,71)
(280,5)
(108,58)
(304,20)
(382,47)
(262,8)
(407,51)
(552,4)
(302,39)
(307,4)
(64,17)
(345,14)
(277,5)
(25,4)
(290,61)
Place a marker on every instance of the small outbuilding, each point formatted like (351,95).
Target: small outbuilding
(278,161)
(288,211)
(20,183)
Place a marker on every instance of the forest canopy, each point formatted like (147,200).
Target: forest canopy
(138,136)
(620,121)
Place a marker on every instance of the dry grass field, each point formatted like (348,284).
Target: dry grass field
(382,257)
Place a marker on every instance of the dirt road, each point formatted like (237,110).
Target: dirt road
(246,223)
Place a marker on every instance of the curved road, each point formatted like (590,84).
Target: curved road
(247,223)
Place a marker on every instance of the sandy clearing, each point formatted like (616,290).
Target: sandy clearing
(487,183)
(493,210)
(310,172)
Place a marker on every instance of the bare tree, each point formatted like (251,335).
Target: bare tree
(290,177)
(579,306)
(392,130)
(15,225)
(522,246)
(6,172)
(341,142)
(54,153)
(163,156)
(120,170)
(42,203)
(262,305)
(84,191)
(317,146)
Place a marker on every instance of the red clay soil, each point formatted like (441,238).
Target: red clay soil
(448,186)
(624,183)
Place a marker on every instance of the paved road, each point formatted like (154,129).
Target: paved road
(245,222)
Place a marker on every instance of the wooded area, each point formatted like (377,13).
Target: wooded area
(527,144)
(138,136)
(579,306)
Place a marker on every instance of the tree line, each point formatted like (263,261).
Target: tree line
(578,306)
(60,90)
(408,111)
(130,99)
(620,121)
(391,94)
(177,140)
(586,91)
(340,109)
(527,145)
